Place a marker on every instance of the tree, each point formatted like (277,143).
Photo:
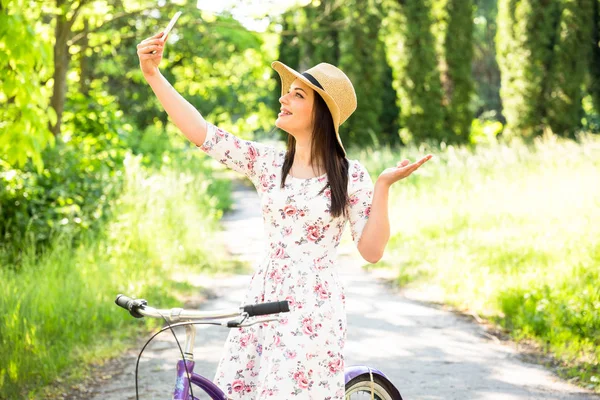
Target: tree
(24,112)
(363,60)
(456,57)
(486,73)
(569,67)
(542,63)
(417,75)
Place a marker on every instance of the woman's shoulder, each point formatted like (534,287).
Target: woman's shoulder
(358,175)
(355,166)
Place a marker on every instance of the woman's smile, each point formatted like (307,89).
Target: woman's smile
(284,112)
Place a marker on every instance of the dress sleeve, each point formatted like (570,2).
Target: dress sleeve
(360,198)
(244,156)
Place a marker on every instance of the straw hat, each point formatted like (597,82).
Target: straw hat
(330,82)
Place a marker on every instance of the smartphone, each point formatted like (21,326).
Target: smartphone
(169,27)
(171,24)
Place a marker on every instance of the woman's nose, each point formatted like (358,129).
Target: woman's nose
(284,97)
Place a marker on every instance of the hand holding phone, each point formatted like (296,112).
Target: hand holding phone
(169,27)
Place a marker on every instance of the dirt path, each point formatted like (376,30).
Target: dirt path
(428,353)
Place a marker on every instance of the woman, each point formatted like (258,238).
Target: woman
(308,193)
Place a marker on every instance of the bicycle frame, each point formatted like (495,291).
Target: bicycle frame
(182,384)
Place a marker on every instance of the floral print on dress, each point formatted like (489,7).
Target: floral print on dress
(301,356)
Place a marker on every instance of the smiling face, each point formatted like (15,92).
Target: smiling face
(296,116)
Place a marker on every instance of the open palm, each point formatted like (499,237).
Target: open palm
(403,169)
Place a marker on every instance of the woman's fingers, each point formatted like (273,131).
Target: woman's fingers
(418,163)
(154,48)
(421,161)
(158,35)
(149,42)
(408,168)
(156,38)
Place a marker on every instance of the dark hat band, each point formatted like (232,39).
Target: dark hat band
(312,80)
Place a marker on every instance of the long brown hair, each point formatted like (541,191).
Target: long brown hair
(325,150)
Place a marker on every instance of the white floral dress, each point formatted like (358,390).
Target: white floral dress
(300,357)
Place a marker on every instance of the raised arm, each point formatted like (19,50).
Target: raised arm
(376,232)
(185,116)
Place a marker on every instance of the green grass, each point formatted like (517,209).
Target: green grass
(511,232)
(57,310)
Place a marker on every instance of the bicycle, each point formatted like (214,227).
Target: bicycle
(361,382)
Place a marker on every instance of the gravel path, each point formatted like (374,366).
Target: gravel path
(428,353)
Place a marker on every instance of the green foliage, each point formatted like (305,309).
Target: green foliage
(564,314)
(24,93)
(162,224)
(507,231)
(569,67)
(389,119)
(214,61)
(360,41)
(328,31)
(72,192)
(485,132)
(486,73)
(457,79)
(288,50)
(542,64)
(524,50)
(591,119)
(418,77)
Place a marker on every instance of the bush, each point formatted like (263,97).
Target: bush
(81,174)
(161,226)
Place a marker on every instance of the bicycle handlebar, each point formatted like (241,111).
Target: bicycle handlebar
(131,305)
(139,308)
(267,308)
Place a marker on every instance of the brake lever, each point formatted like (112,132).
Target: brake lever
(258,321)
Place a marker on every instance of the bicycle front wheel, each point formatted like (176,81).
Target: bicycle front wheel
(361,388)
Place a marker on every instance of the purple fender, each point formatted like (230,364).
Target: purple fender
(353,371)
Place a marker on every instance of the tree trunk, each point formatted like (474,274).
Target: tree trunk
(61,66)
(595,57)
(85,72)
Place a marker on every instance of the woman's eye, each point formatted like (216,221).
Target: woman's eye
(299,95)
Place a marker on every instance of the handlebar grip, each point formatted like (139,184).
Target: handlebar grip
(130,304)
(123,301)
(267,308)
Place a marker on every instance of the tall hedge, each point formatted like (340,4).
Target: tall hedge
(418,77)
(362,56)
(569,67)
(486,73)
(543,63)
(458,57)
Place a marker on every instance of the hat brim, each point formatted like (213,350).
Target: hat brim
(288,75)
